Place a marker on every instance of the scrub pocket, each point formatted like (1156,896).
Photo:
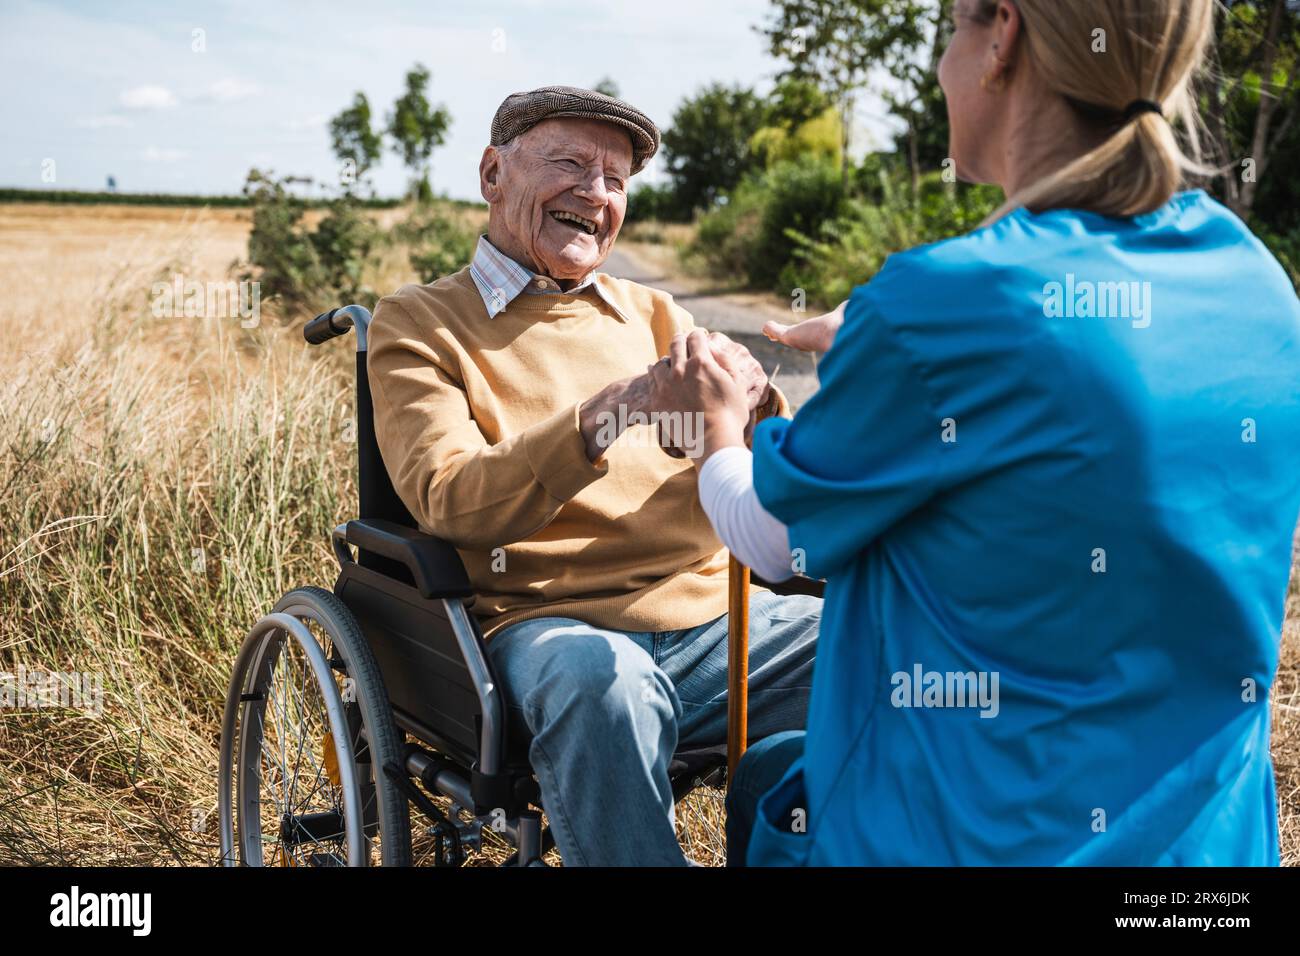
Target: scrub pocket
(773,843)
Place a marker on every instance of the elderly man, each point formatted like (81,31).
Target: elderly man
(507,399)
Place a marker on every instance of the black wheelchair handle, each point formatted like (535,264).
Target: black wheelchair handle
(322,328)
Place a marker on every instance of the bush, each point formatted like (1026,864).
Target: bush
(279,255)
(441,241)
(804,196)
(344,241)
(753,235)
(1286,247)
(303,269)
(727,236)
(849,250)
(659,203)
(951,209)
(791,228)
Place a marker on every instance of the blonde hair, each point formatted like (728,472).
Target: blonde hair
(1152,51)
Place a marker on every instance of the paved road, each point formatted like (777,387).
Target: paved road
(739,316)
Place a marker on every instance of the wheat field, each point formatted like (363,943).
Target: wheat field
(162,482)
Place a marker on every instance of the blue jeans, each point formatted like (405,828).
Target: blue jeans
(607,709)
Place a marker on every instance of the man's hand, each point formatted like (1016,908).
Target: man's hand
(598,415)
(653,392)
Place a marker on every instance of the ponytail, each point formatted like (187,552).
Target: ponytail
(1136,87)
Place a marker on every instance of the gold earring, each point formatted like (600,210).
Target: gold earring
(995,85)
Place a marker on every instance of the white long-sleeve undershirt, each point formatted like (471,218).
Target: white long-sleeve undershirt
(756,538)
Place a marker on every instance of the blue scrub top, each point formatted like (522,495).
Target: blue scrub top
(1051,478)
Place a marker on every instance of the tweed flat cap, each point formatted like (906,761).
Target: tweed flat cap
(522,111)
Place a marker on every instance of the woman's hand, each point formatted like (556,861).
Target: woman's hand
(698,395)
(810,335)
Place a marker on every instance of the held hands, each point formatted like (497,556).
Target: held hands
(706,382)
(701,396)
(706,375)
(737,361)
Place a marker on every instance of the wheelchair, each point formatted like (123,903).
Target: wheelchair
(348,706)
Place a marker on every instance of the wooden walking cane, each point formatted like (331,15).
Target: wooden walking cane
(738,653)
(737,664)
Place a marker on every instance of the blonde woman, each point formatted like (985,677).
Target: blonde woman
(1051,477)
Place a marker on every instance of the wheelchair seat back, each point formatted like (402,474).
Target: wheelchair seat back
(409,592)
(432,693)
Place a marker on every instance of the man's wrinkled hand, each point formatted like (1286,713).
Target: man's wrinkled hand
(740,363)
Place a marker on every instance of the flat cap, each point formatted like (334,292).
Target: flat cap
(522,111)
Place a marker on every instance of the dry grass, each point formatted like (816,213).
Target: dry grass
(133,445)
(1286,721)
(673,236)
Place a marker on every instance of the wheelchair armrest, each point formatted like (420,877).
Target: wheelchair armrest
(799,584)
(435,566)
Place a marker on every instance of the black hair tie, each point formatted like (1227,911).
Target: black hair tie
(1138,107)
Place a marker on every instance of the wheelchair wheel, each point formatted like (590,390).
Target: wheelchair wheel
(306,735)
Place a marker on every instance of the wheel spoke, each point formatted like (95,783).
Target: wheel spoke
(302,741)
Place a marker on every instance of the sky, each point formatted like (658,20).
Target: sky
(186,97)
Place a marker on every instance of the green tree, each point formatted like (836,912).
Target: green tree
(417,127)
(794,101)
(918,101)
(608,87)
(706,148)
(354,141)
(799,121)
(837,43)
(1251,104)
(817,138)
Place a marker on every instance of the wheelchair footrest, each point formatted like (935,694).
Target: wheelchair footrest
(705,766)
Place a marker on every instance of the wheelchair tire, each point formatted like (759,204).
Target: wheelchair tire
(331,812)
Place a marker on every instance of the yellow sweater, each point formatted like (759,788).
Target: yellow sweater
(477,421)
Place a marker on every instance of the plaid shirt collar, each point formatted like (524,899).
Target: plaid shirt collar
(500,280)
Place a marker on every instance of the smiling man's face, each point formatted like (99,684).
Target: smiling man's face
(557,194)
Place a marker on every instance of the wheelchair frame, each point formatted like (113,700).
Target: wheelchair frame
(404,595)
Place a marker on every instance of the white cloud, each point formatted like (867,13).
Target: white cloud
(155,155)
(310,122)
(148,97)
(288,117)
(229,89)
(106,121)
